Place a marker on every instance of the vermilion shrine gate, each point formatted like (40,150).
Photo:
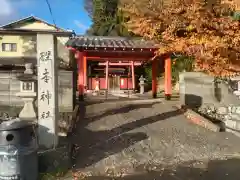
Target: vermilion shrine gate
(116,52)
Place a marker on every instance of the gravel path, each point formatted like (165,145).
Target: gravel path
(149,141)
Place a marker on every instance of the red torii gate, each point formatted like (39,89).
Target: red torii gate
(108,49)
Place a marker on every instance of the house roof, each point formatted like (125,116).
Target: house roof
(28,19)
(35,31)
(107,42)
(10,28)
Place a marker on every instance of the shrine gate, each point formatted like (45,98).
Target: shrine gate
(116,52)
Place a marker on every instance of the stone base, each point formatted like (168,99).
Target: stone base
(233,124)
(236,133)
(142,90)
(28,111)
(168,96)
(237,93)
(154,95)
(95,93)
(53,160)
(81,97)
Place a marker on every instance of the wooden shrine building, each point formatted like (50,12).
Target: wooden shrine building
(113,55)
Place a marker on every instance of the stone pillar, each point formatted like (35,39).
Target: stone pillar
(80,57)
(106,79)
(168,78)
(47,90)
(133,75)
(182,87)
(85,77)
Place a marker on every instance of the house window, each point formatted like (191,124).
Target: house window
(9,47)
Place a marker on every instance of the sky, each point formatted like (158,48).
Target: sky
(68,14)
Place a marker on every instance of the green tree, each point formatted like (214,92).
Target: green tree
(107,19)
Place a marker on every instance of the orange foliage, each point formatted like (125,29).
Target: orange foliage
(203,29)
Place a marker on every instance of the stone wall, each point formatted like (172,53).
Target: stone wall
(196,89)
(200,92)
(10,85)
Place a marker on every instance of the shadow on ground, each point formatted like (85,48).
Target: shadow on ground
(91,147)
(99,101)
(215,169)
(120,110)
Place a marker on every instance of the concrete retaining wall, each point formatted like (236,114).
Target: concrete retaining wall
(199,91)
(10,85)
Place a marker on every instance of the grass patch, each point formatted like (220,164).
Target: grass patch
(59,173)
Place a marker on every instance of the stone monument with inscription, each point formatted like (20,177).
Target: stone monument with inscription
(47,90)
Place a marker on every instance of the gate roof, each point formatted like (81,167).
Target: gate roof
(108,43)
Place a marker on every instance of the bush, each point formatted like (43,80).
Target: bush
(180,64)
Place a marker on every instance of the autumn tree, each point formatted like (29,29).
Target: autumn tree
(204,29)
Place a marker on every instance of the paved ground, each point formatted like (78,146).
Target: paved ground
(151,141)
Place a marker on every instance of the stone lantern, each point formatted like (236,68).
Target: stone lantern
(97,87)
(237,79)
(142,84)
(237,92)
(27,93)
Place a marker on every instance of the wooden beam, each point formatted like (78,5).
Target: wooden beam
(98,58)
(108,55)
(123,56)
(121,64)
